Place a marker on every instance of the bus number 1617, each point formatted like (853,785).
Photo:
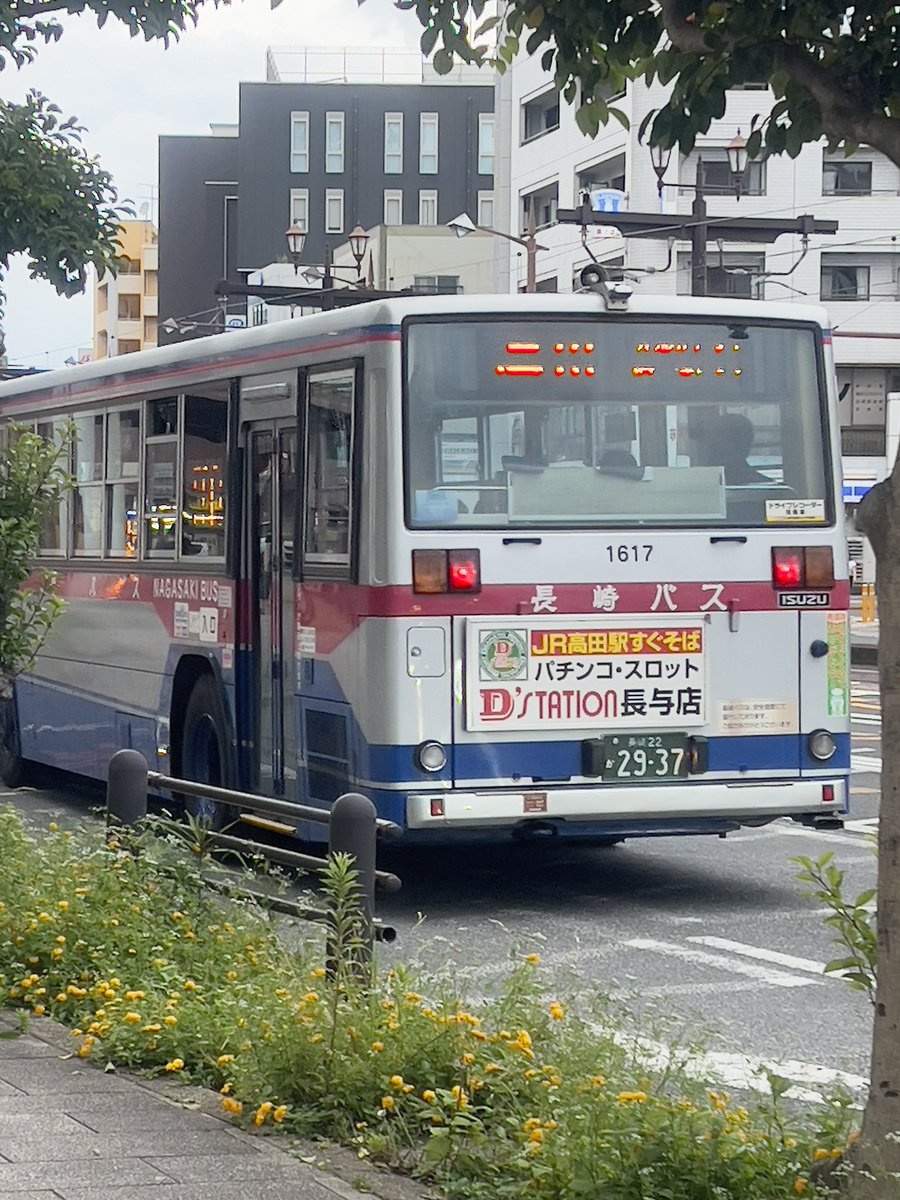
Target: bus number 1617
(624,553)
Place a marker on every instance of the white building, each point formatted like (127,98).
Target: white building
(544,159)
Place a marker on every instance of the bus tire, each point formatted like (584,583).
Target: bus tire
(204,752)
(14,769)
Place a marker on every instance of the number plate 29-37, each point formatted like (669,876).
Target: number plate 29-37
(643,757)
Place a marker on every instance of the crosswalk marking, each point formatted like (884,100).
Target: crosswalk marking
(761,973)
(773,956)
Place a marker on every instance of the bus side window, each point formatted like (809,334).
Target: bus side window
(329,457)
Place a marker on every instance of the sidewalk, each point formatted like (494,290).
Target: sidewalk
(70,1131)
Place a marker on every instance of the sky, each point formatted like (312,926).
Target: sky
(127,92)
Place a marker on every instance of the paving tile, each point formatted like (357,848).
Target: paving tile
(136,1144)
(26,1047)
(207,1168)
(71,1104)
(15,1124)
(154,1118)
(60,1075)
(211,1191)
(91,1174)
(29,1195)
(7,1089)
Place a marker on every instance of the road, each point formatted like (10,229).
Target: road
(696,937)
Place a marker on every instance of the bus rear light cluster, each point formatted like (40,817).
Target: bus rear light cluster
(437,571)
(802,567)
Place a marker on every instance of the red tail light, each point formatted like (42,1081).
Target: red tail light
(802,567)
(787,567)
(462,571)
(439,571)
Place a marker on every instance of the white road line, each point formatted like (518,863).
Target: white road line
(863,825)
(772,956)
(735,966)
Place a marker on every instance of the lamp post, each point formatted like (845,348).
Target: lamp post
(463,225)
(737,163)
(296,241)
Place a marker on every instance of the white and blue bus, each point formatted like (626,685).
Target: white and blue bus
(517,566)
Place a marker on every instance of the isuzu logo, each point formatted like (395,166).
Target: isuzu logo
(804,600)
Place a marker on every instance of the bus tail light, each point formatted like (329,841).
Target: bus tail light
(438,571)
(802,567)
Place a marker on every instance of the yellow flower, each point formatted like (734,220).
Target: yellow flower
(317,973)
(459,1095)
(479,1035)
(135,996)
(133,1018)
(231,975)
(377,1047)
(84,1051)
(170,1020)
(56,952)
(468,1059)
(387,1103)
(532,1123)
(62,905)
(800,1185)
(532,959)
(396,1081)
(492,1068)
(413,998)
(39,1010)
(176,1064)
(224,1059)
(177,916)
(154,1028)
(279,1114)
(232,1106)
(262,1112)
(61,998)
(311,997)
(53,827)
(791,1143)
(429,1096)
(597,1081)
(536,1135)
(551,1124)
(631,1097)
(189,985)
(81,891)
(44,917)
(557,1012)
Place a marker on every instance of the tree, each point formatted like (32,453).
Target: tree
(833,67)
(56,203)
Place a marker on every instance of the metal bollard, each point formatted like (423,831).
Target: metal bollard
(352,832)
(126,788)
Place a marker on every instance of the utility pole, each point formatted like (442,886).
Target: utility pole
(699,234)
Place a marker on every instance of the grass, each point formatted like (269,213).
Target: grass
(523,1093)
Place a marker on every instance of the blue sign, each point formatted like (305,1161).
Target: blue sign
(855,491)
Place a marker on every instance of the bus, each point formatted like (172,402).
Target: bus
(512,566)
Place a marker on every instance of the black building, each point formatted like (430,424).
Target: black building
(324,156)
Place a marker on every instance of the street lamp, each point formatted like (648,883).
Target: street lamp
(463,225)
(737,164)
(296,241)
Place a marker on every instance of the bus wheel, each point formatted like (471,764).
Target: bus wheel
(14,769)
(204,752)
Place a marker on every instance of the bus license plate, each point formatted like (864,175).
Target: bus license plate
(643,757)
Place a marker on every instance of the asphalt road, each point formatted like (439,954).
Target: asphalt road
(696,937)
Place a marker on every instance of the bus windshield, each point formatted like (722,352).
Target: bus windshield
(600,422)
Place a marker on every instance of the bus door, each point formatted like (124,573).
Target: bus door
(272,483)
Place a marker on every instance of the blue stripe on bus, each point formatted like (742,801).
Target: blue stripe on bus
(534,761)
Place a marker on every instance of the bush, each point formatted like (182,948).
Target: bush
(520,1093)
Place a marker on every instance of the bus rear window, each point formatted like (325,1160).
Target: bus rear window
(653,421)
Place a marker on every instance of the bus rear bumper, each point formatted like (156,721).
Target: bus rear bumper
(749,803)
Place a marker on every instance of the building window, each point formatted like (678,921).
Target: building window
(437,285)
(300,141)
(846,177)
(129,307)
(393,208)
(485,208)
(485,143)
(540,116)
(334,143)
(840,282)
(334,210)
(608,175)
(428,208)
(544,201)
(428,144)
(393,143)
(300,208)
(714,174)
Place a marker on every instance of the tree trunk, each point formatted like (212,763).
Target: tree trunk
(878,1151)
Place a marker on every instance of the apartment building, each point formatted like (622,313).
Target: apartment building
(371,148)
(125,305)
(544,161)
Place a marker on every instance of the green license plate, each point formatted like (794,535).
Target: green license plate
(644,757)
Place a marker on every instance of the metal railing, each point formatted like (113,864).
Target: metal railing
(353,829)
